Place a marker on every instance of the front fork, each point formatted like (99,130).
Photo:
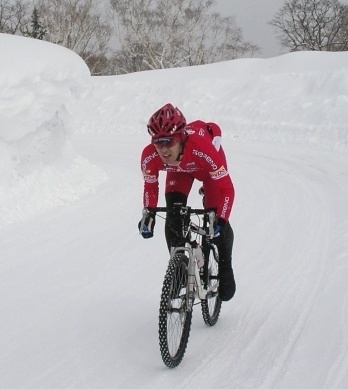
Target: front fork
(194,283)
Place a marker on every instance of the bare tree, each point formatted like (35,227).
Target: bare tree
(14,15)
(156,34)
(314,25)
(79,26)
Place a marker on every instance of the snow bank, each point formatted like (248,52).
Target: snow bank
(38,163)
(295,98)
(46,93)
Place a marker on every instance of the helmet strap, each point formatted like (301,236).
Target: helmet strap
(182,144)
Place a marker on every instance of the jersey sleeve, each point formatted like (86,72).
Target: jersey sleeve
(218,186)
(150,171)
(225,184)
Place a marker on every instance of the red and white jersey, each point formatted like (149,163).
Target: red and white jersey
(201,160)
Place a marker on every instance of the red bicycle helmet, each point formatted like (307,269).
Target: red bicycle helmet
(166,121)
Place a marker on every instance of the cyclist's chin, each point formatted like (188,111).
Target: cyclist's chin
(169,159)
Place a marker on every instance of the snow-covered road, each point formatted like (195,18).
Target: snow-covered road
(80,289)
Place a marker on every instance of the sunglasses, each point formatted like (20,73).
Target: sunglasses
(167,141)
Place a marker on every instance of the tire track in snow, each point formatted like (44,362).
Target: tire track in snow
(267,330)
(338,375)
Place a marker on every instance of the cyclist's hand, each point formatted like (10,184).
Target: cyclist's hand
(147,223)
(218,237)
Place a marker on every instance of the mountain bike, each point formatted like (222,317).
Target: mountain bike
(192,274)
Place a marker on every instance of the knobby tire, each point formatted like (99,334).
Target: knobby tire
(174,317)
(211,306)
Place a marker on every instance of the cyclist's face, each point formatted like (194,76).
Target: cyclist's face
(169,152)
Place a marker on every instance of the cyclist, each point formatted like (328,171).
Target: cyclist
(187,152)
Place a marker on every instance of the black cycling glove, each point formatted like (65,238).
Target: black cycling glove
(218,237)
(146,225)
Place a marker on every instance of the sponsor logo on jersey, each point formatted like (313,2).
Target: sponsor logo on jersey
(149,178)
(146,199)
(148,159)
(206,157)
(219,173)
(225,207)
(189,167)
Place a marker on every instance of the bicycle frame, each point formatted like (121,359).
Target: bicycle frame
(193,272)
(194,276)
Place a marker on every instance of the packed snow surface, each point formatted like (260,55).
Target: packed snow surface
(80,288)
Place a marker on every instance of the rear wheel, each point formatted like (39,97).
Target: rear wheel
(174,315)
(211,306)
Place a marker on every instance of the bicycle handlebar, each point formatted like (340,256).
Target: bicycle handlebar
(196,211)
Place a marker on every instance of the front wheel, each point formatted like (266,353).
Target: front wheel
(211,306)
(175,312)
